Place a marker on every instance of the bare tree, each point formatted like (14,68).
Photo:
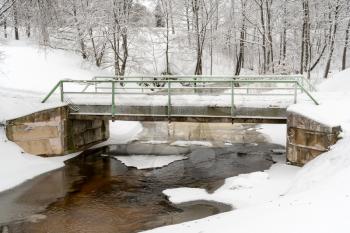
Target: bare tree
(240,59)
(305,38)
(332,36)
(202,15)
(167,9)
(346,43)
(118,39)
(15,19)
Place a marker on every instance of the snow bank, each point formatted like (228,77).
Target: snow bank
(340,82)
(149,161)
(315,198)
(275,133)
(27,67)
(124,131)
(16,103)
(241,191)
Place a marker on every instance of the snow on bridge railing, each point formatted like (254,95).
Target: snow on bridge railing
(170,86)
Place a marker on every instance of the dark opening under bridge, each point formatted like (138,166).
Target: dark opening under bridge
(241,99)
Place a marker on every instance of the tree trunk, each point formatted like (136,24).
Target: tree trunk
(5,29)
(240,60)
(79,33)
(98,55)
(15,19)
(195,9)
(332,42)
(126,54)
(305,44)
(171,16)
(188,22)
(346,44)
(284,34)
(168,72)
(28,29)
(263,26)
(269,34)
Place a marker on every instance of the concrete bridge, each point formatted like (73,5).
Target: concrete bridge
(83,120)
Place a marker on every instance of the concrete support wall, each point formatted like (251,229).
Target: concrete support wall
(52,133)
(307,139)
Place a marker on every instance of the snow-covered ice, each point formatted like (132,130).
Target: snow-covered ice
(154,142)
(189,143)
(149,161)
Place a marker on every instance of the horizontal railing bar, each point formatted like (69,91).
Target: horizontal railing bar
(198,76)
(87,93)
(179,94)
(177,81)
(182,88)
(176,115)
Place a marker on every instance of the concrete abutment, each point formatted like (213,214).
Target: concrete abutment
(307,138)
(52,133)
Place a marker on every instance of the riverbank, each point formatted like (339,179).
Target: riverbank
(315,198)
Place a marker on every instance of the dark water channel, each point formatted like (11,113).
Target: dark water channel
(97,193)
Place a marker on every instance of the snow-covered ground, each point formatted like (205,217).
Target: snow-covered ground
(315,198)
(26,75)
(275,133)
(26,66)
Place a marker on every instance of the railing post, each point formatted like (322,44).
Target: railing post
(113,98)
(232,98)
(169,98)
(142,83)
(295,92)
(303,79)
(61,91)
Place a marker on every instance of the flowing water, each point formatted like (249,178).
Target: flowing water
(95,192)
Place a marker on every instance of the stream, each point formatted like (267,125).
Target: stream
(95,192)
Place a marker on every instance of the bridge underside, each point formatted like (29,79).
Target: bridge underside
(271,115)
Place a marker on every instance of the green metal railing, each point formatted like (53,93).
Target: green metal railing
(176,85)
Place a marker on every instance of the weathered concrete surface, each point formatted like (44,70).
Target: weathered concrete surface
(307,139)
(204,114)
(185,110)
(51,132)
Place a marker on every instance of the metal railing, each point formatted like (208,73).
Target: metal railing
(268,85)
